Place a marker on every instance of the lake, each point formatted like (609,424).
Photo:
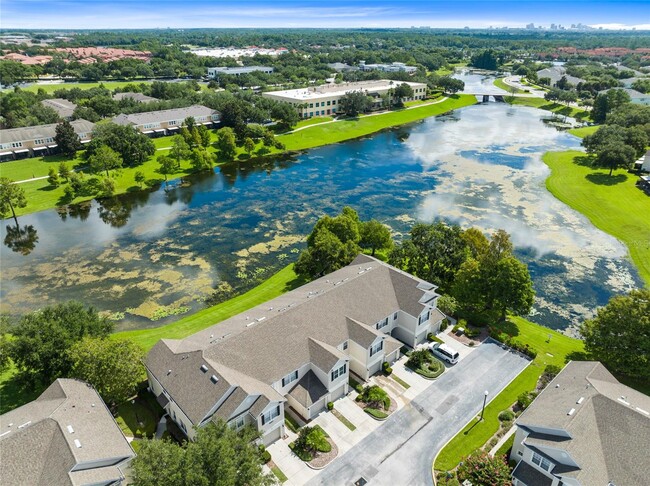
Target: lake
(144,254)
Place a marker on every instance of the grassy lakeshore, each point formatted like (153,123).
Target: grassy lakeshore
(553,351)
(553,107)
(500,83)
(41,196)
(613,204)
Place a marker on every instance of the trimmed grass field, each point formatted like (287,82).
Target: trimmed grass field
(553,351)
(557,108)
(283,281)
(582,132)
(500,83)
(51,88)
(613,204)
(40,195)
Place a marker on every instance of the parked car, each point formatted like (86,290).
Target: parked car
(445,352)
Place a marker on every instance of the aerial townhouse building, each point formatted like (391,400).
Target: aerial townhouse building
(165,122)
(297,350)
(324,100)
(64,108)
(215,72)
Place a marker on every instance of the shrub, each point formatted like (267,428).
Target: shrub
(481,468)
(432,338)
(444,324)
(525,399)
(471,332)
(471,344)
(375,397)
(266,457)
(375,412)
(309,441)
(330,405)
(418,358)
(506,415)
(386,368)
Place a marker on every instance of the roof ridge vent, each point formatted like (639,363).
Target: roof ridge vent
(570,412)
(622,400)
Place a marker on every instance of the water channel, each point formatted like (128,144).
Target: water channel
(480,166)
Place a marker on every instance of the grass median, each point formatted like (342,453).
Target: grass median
(549,351)
(612,203)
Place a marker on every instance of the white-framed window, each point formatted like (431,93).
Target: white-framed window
(424,317)
(338,372)
(376,348)
(172,122)
(238,423)
(291,377)
(395,316)
(382,324)
(345,345)
(542,462)
(271,415)
(16,144)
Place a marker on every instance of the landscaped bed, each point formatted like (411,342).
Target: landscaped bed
(425,364)
(315,447)
(375,402)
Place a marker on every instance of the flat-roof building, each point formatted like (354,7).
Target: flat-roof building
(395,67)
(63,107)
(324,100)
(38,140)
(215,72)
(163,121)
(66,436)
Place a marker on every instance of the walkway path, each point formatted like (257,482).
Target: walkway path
(402,450)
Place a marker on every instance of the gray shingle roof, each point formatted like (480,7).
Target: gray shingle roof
(164,115)
(63,107)
(609,429)
(308,390)
(41,131)
(258,347)
(43,450)
(527,474)
(142,98)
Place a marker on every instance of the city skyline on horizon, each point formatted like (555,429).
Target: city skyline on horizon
(475,14)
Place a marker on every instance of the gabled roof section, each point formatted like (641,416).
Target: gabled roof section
(325,356)
(308,390)
(361,333)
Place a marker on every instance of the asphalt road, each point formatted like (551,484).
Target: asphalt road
(401,451)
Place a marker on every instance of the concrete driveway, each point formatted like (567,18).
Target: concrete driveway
(402,449)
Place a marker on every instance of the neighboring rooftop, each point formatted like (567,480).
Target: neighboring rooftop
(66,426)
(608,424)
(164,115)
(241,69)
(142,98)
(41,131)
(555,73)
(63,107)
(260,346)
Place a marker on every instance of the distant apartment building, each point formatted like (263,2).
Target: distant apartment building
(17,143)
(341,67)
(324,100)
(64,108)
(395,67)
(139,97)
(215,72)
(163,122)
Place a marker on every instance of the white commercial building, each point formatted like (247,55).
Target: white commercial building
(215,72)
(395,67)
(324,100)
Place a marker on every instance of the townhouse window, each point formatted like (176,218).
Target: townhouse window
(424,318)
(17,144)
(291,377)
(382,324)
(395,316)
(311,105)
(345,345)
(238,423)
(271,415)
(376,348)
(338,372)
(334,102)
(182,424)
(542,462)
(311,113)
(329,103)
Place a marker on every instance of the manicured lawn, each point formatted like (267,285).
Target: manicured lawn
(313,121)
(553,107)
(40,195)
(476,434)
(279,474)
(344,420)
(139,419)
(14,393)
(582,132)
(400,381)
(499,83)
(281,282)
(354,128)
(613,204)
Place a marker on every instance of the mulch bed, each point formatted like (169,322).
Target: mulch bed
(465,340)
(391,409)
(322,459)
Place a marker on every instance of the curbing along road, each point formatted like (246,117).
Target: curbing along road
(401,451)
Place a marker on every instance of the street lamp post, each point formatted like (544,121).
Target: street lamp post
(485,394)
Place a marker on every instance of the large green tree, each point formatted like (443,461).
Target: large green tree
(354,102)
(180,150)
(219,456)
(42,339)
(12,196)
(226,143)
(619,335)
(166,166)
(134,147)
(374,236)
(66,139)
(104,159)
(607,102)
(112,366)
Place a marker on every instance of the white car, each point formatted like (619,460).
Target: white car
(445,352)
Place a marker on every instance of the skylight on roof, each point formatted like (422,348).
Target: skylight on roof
(214,379)
(77,443)
(204,368)
(70,429)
